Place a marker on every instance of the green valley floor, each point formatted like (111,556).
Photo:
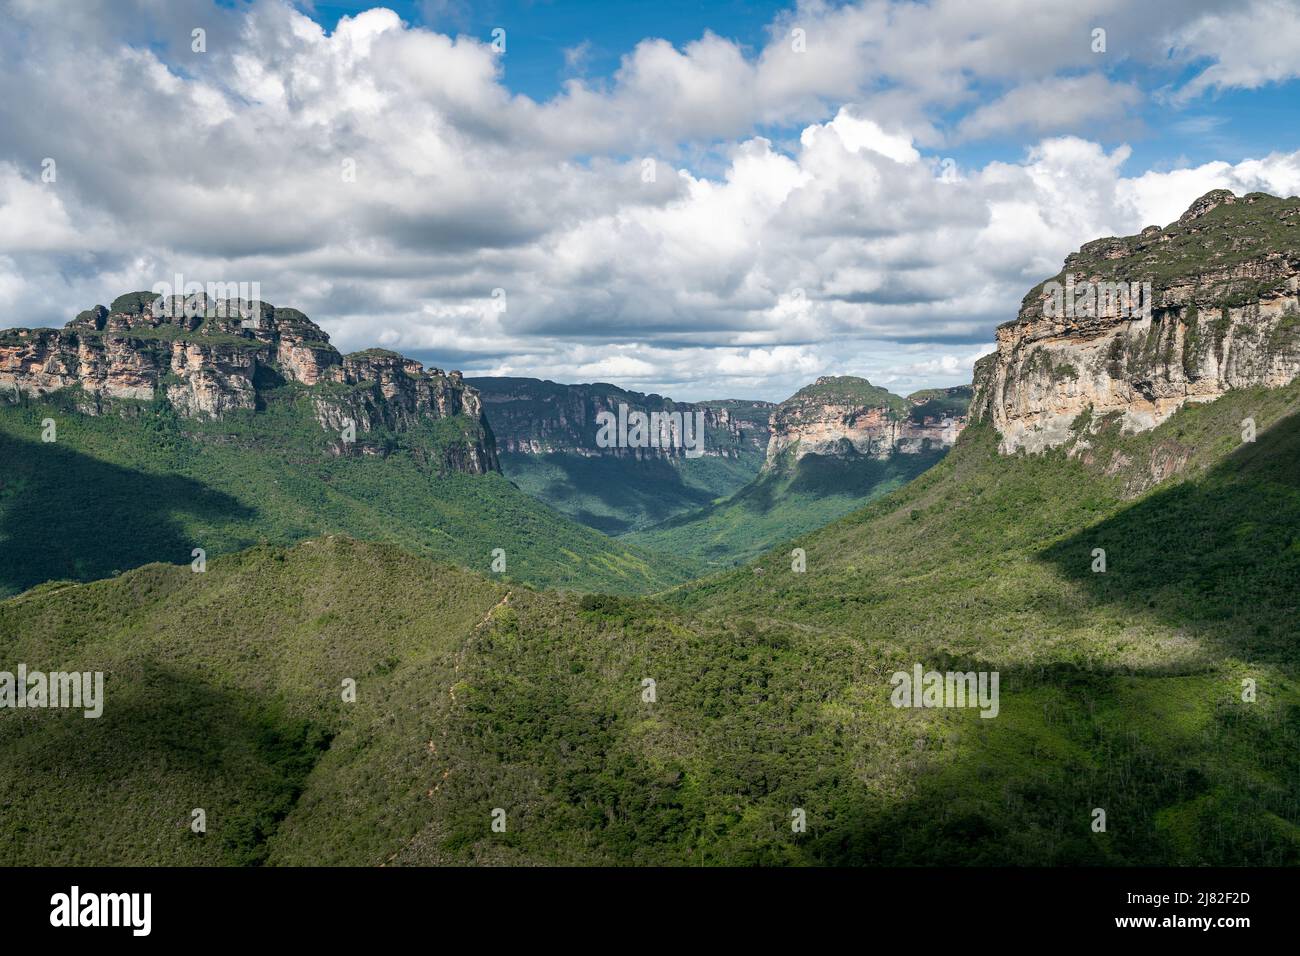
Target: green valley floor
(693,727)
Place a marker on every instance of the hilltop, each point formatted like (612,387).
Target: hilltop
(1223,314)
(138,434)
(546,433)
(833,446)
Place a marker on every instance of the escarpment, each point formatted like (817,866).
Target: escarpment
(534,417)
(844,416)
(1133,328)
(209,358)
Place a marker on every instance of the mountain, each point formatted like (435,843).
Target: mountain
(1221,316)
(1148,711)
(138,433)
(547,435)
(534,417)
(834,445)
(847,417)
(703,508)
(1160,686)
(1119,691)
(209,357)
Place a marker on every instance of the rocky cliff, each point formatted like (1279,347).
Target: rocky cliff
(844,416)
(534,417)
(209,358)
(1132,328)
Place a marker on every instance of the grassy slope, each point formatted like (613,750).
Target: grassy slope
(778,505)
(793,498)
(222,693)
(1119,691)
(114,492)
(850,390)
(617,495)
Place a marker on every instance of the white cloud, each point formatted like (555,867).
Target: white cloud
(1250,45)
(843,250)
(1056,103)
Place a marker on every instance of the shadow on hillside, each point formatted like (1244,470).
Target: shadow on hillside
(858,476)
(1217,788)
(1186,772)
(650,487)
(1218,555)
(66,515)
(237,754)
(855,479)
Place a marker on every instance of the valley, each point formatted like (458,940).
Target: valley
(1146,707)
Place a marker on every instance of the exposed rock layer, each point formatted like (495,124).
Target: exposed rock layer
(1224,314)
(209,358)
(845,417)
(534,417)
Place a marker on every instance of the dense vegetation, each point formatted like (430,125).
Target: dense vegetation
(616,495)
(1120,690)
(782,502)
(1255,227)
(849,390)
(142,484)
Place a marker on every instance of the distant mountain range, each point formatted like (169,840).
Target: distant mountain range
(752,486)
(190,368)
(1114,533)
(546,434)
(190,426)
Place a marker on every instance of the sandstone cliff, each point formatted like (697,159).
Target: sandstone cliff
(534,417)
(211,358)
(1174,315)
(844,416)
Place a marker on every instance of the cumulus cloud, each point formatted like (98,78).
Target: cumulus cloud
(385,179)
(1050,105)
(1247,47)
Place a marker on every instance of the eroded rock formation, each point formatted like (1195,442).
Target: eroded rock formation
(844,416)
(1223,313)
(211,358)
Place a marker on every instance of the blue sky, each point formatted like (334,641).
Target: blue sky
(540,33)
(551,41)
(669,196)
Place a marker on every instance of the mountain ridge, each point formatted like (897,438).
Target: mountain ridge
(210,357)
(1135,327)
(690,728)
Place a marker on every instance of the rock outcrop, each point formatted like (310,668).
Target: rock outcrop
(534,417)
(844,416)
(209,358)
(1135,327)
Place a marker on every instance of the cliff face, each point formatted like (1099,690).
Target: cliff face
(843,417)
(215,357)
(1134,327)
(534,417)
(836,417)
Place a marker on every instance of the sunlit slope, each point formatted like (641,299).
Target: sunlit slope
(119,490)
(1120,691)
(779,504)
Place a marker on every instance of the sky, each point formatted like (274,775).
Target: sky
(720,200)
